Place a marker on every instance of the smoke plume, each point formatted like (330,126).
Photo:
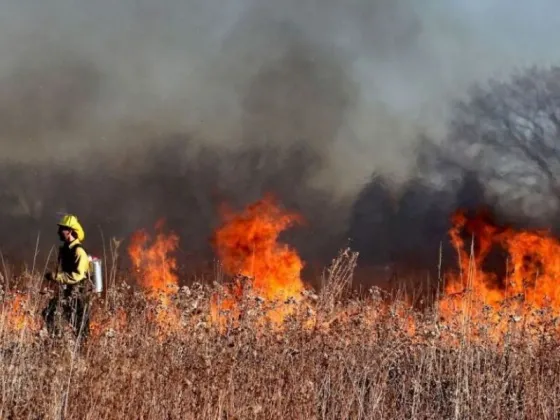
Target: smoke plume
(125,112)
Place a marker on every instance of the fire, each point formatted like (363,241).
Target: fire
(247,245)
(528,292)
(104,323)
(17,314)
(156,269)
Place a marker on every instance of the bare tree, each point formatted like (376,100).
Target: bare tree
(508,133)
(502,153)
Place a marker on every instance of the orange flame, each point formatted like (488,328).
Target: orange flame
(156,270)
(17,314)
(247,245)
(528,291)
(104,323)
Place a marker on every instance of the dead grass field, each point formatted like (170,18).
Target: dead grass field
(336,358)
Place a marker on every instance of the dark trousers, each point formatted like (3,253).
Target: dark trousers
(71,304)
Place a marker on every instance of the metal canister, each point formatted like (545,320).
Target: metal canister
(97,275)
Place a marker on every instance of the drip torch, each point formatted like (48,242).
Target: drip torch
(97,274)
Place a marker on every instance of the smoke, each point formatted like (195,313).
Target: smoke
(128,111)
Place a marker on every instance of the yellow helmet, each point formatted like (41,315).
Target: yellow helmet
(71,221)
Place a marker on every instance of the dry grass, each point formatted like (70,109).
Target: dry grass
(363,360)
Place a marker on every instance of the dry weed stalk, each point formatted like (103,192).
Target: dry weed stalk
(337,280)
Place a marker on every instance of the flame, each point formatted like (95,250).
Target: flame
(247,245)
(156,271)
(17,315)
(105,323)
(528,291)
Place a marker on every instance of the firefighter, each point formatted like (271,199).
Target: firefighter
(72,275)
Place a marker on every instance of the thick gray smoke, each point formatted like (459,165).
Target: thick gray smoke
(128,111)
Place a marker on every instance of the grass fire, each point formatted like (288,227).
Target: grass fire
(527,290)
(279,210)
(155,268)
(261,343)
(247,246)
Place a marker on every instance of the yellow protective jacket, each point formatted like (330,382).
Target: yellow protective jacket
(73,263)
